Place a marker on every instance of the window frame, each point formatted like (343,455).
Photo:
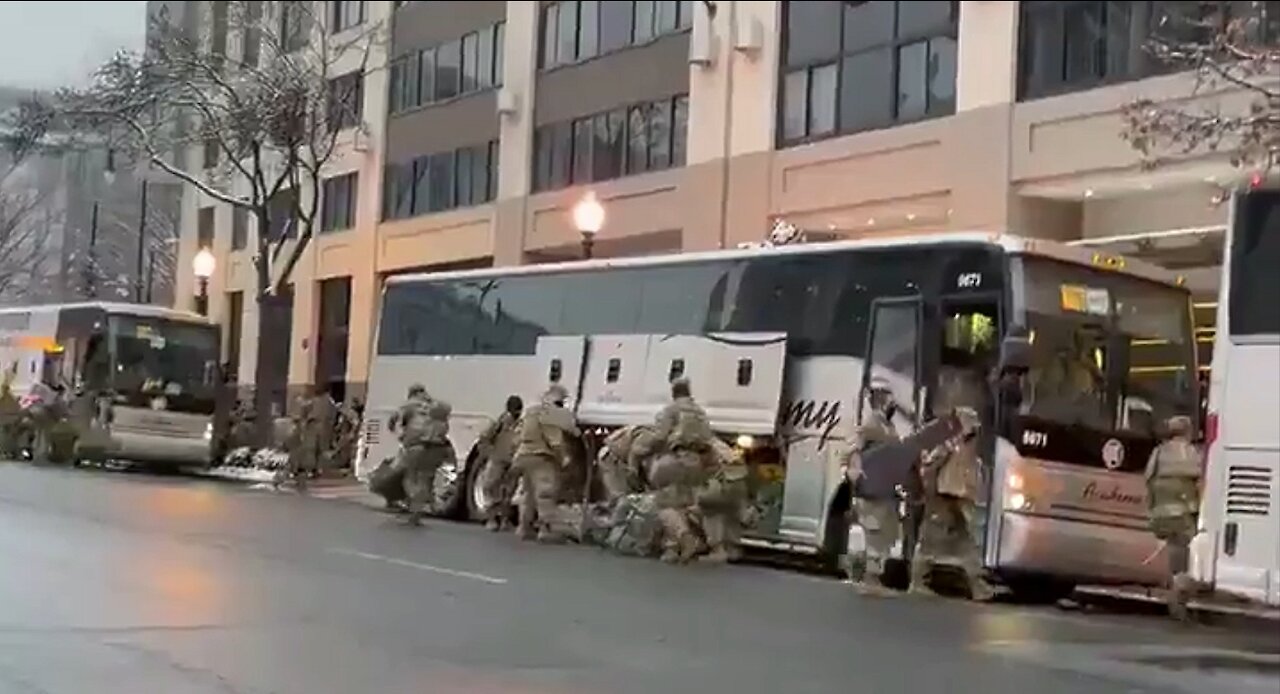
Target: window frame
(344,189)
(549,31)
(423,66)
(546,136)
(892,45)
(338,15)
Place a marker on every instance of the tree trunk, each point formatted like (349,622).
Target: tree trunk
(271,372)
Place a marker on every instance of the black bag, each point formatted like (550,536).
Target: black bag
(387,481)
(889,465)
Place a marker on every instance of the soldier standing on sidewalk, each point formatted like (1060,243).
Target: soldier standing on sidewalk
(1173,502)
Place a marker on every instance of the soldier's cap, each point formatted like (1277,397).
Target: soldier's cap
(1179,425)
(968,417)
(417,389)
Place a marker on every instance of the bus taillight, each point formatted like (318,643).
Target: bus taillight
(1210,429)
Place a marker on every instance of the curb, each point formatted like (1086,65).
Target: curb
(1205,612)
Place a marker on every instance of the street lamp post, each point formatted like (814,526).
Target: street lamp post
(203,265)
(588,217)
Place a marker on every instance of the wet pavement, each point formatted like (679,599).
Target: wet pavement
(116,582)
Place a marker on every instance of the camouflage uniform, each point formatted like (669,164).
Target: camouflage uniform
(950,480)
(312,427)
(721,501)
(683,429)
(424,443)
(622,461)
(541,451)
(497,450)
(1173,502)
(879,518)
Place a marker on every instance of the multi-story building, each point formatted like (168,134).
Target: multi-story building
(698,124)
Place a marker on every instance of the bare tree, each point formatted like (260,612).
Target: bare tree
(1228,45)
(264,123)
(23,233)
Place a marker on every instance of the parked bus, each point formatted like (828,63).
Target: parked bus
(780,344)
(159,367)
(1238,548)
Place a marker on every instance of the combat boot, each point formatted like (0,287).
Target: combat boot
(550,537)
(492,525)
(719,555)
(524,532)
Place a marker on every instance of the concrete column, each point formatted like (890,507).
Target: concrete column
(519,79)
(987,64)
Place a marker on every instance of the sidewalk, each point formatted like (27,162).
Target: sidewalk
(1212,609)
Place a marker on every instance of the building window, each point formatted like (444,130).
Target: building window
(1071,46)
(239,228)
(338,202)
(439,73)
(282,209)
(293,25)
(577,30)
(849,67)
(602,146)
(345,14)
(252,37)
(204,228)
(218,38)
(346,101)
(212,151)
(441,181)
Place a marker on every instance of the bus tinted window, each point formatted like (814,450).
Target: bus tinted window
(426,319)
(601,302)
(797,295)
(517,310)
(1255,256)
(684,299)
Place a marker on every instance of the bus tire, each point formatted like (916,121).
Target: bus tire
(474,509)
(1039,590)
(450,492)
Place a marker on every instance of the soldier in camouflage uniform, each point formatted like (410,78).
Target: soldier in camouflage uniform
(684,431)
(423,425)
(950,477)
(721,501)
(542,449)
(1173,502)
(879,518)
(622,461)
(497,446)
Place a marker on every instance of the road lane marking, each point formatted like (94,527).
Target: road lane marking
(444,571)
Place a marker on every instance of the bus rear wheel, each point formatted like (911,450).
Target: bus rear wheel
(1039,590)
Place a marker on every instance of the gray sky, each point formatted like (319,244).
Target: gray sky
(49,44)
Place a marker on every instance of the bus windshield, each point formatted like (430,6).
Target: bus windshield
(159,358)
(1110,352)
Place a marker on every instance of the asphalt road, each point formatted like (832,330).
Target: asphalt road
(116,582)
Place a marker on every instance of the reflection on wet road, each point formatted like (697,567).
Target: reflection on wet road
(127,583)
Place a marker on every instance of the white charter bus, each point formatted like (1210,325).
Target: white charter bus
(159,365)
(1238,548)
(779,344)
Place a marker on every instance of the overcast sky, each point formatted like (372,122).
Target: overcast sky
(44,45)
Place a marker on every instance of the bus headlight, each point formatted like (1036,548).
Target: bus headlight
(1018,502)
(745,441)
(1014,482)
(208,431)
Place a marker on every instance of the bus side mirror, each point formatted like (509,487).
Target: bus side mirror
(1015,354)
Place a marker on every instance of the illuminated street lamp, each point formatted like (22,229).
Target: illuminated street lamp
(588,217)
(203,265)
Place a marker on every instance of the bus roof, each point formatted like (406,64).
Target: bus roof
(1009,243)
(147,310)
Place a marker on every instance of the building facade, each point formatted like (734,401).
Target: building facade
(699,124)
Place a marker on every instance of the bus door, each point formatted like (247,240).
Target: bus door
(967,344)
(893,357)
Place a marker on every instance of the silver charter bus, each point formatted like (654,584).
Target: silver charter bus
(780,344)
(160,367)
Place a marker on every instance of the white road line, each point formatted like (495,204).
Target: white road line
(420,566)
